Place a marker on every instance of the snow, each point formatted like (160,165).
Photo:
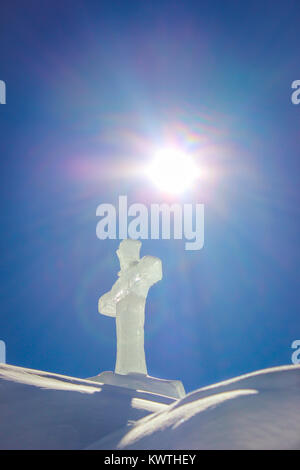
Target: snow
(41,410)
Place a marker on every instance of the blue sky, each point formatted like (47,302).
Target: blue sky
(92,87)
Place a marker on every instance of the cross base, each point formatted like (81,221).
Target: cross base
(170,388)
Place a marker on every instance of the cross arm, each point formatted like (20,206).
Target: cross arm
(107,305)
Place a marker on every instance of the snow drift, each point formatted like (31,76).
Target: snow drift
(40,410)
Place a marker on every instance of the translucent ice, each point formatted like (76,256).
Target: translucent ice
(126,301)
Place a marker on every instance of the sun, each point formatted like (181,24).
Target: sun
(172,170)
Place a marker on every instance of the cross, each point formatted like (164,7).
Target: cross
(126,302)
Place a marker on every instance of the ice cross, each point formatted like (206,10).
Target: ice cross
(126,301)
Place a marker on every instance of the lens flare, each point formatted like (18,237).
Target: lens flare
(172,170)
